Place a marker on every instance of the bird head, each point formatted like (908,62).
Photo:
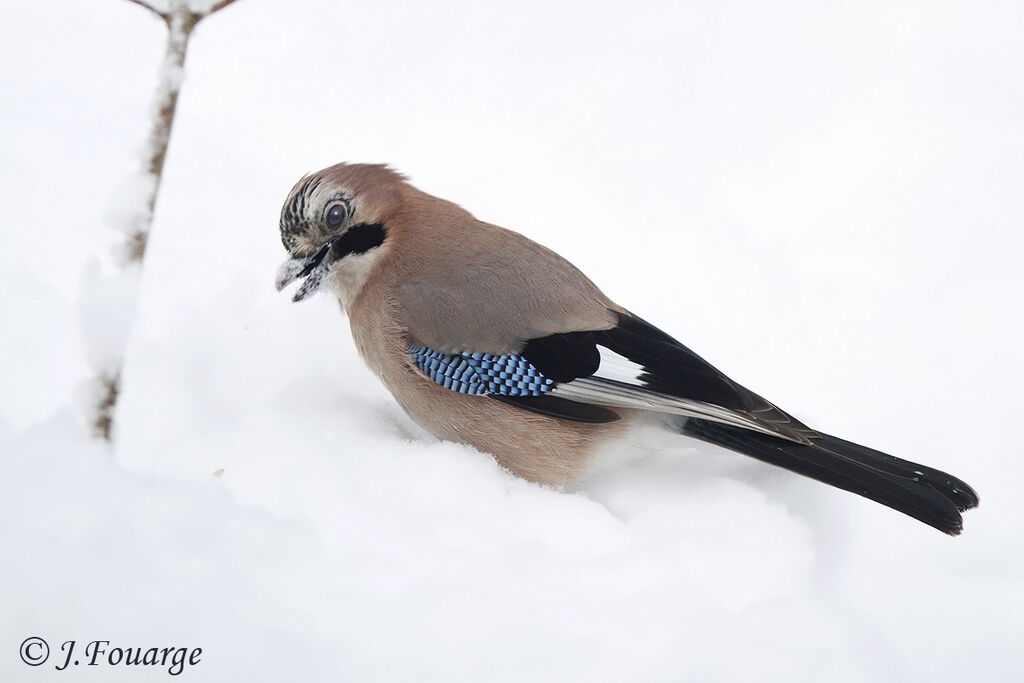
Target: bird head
(334,226)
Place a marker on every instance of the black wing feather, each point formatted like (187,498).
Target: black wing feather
(560,407)
(565,356)
(671,367)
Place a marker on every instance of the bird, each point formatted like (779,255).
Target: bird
(484,337)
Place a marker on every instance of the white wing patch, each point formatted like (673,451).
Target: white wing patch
(619,368)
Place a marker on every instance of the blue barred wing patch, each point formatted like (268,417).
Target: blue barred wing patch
(481,373)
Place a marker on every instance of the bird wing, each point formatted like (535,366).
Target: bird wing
(475,297)
(580,375)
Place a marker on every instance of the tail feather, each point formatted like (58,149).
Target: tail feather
(926,494)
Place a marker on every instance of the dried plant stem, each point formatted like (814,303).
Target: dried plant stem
(180,21)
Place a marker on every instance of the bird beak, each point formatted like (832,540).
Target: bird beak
(313,267)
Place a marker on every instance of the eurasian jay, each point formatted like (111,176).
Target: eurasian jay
(489,339)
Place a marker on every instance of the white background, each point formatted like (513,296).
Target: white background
(823,199)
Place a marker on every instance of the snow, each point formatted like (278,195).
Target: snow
(821,200)
(107,307)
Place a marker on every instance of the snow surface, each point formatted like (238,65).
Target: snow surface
(823,200)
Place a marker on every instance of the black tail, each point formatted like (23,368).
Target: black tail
(926,494)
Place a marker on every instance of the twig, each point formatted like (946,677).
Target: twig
(154,10)
(219,6)
(103,425)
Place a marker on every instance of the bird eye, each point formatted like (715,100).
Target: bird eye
(336,215)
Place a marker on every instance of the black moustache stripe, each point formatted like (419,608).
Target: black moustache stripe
(358,239)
